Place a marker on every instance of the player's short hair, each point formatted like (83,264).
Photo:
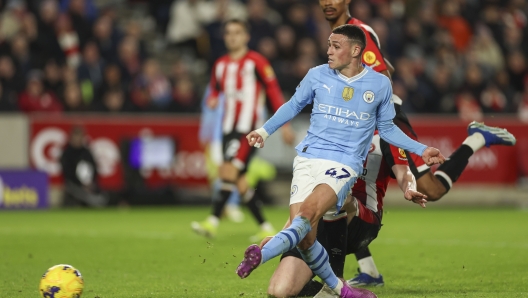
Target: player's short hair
(240,22)
(353,33)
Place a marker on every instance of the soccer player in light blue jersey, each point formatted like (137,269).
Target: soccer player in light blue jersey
(349,101)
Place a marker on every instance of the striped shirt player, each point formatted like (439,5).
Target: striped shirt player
(371,186)
(247,84)
(372,55)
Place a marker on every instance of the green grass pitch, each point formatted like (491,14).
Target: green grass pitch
(153,253)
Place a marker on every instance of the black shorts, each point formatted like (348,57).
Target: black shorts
(236,150)
(360,234)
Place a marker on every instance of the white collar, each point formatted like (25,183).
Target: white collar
(352,79)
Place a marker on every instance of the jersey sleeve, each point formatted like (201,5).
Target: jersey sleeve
(271,84)
(385,110)
(303,96)
(372,54)
(214,84)
(393,155)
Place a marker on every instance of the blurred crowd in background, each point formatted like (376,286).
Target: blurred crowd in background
(465,57)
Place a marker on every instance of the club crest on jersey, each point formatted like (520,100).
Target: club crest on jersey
(369,57)
(294,190)
(402,153)
(269,73)
(348,93)
(368,96)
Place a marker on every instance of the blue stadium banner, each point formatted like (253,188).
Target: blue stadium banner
(23,189)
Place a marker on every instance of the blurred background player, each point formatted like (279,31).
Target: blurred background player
(434,185)
(210,136)
(363,216)
(244,77)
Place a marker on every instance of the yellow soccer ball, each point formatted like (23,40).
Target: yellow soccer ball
(61,281)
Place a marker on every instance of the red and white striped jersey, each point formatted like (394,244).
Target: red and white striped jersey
(371,185)
(246,84)
(372,54)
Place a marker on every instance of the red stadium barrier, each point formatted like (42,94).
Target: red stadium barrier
(49,134)
(496,165)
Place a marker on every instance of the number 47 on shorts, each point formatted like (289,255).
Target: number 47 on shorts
(333,173)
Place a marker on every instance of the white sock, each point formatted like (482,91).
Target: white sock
(266,226)
(475,141)
(366,265)
(338,288)
(213,220)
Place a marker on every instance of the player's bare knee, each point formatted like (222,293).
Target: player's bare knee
(435,193)
(228,172)
(280,290)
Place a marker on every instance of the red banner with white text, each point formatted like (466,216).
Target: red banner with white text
(105,133)
(494,165)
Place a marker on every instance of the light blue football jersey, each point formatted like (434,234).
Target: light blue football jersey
(344,115)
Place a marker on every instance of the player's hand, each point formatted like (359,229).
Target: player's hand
(432,156)
(416,197)
(255,139)
(264,241)
(288,135)
(212,102)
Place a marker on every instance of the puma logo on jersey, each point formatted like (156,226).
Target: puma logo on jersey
(328,88)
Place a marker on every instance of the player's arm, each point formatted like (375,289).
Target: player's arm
(396,159)
(389,132)
(407,184)
(214,85)
(302,97)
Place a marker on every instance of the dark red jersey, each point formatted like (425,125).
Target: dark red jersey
(371,55)
(371,185)
(246,84)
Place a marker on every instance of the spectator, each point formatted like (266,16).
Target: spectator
(517,70)
(68,40)
(90,72)
(129,59)
(87,6)
(151,89)
(298,19)
(79,171)
(523,104)
(7,101)
(186,19)
(285,37)
(114,101)
(474,83)
(112,79)
(260,26)
(9,78)
(35,98)
(457,26)
(133,29)
(492,100)
(106,38)
(69,75)
(23,59)
(46,39)
(53,77)
(11,19)
(468,107)
(81,24)
(486,51)
(185,98)
(73,101)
